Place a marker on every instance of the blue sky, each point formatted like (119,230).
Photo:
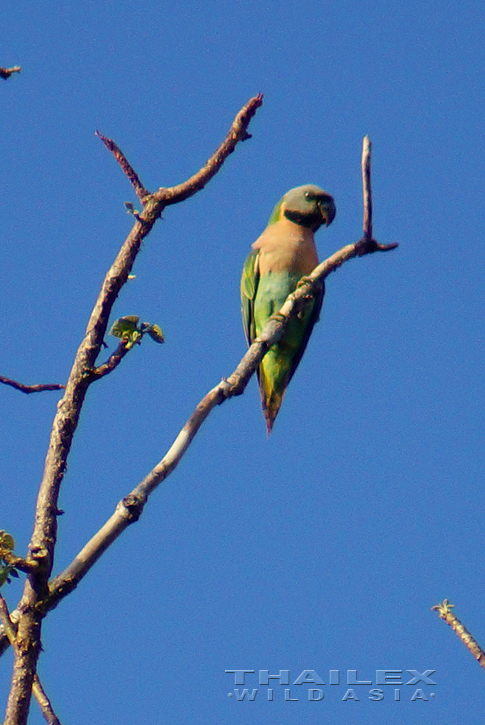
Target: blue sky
(325,546)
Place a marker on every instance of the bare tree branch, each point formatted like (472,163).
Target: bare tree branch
(7,72)
(38,691)
(153,207)
(130,508)
(30,388)
(43,540)
(444,611)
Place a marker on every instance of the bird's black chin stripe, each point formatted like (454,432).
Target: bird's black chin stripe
(311,221)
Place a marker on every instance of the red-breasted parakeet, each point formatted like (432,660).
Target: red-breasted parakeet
(283,254)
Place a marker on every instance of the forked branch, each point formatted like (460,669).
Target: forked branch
(130,508)
(38,691)
(43,540)
(38,596)
(238,132)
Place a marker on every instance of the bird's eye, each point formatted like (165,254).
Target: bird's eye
(308,195)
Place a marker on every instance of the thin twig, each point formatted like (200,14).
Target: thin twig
(44,702)
(128,169)
(20,564)
(8,626)
(444,611)
(30,388)
(43,540)
(366,187)
(7,72)
(112,362)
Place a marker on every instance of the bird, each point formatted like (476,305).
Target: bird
(279,258)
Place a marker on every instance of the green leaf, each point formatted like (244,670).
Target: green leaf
(6,541)
(5,573)
(125,326)
(7,544)
(156,333)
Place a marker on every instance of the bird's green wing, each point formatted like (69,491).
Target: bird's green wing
(314,317)
(249,287)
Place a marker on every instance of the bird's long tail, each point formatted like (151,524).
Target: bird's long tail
(270,400)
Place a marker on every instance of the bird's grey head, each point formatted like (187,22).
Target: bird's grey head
(309,206)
